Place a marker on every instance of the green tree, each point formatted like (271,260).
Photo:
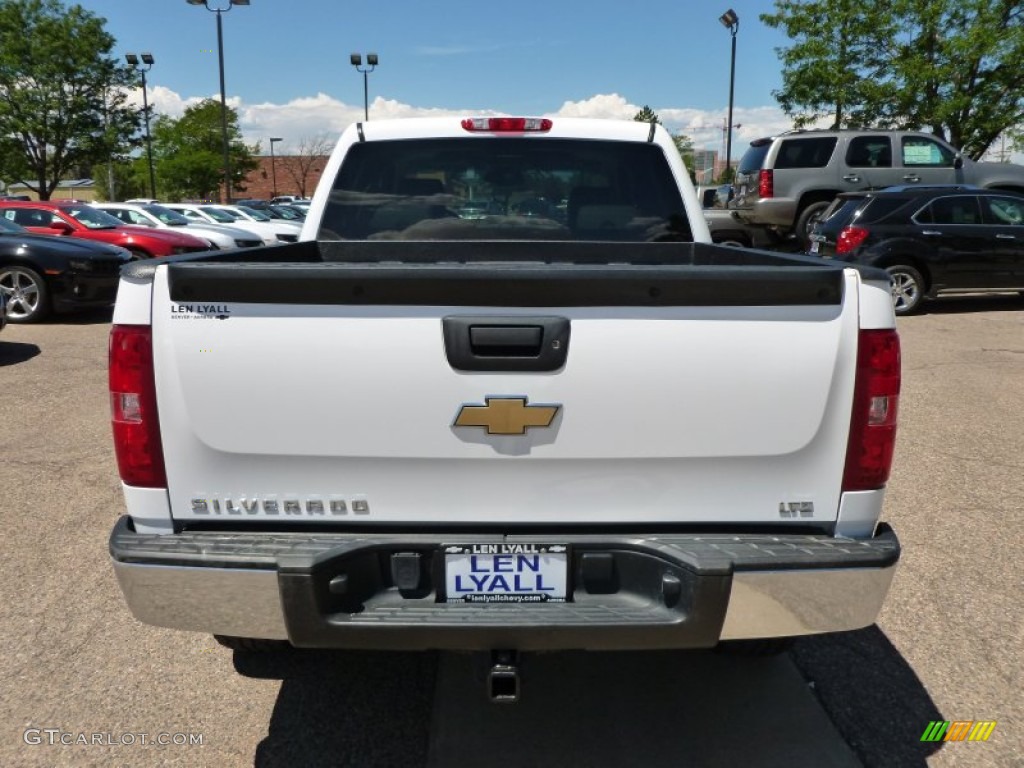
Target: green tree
(189,157)
(122,179)
(685,146)
(839,59)
(955,67)
(62,98)
(961,68)
(647,115)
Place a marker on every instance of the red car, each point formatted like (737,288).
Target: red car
(74,219)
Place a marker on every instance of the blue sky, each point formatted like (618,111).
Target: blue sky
(288,72)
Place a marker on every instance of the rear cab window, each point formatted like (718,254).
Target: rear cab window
(505,189)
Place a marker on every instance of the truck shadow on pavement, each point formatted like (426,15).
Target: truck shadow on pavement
(871,694)
(345,708)
(843,700)
(14,352)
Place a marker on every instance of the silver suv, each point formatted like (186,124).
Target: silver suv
(786,182)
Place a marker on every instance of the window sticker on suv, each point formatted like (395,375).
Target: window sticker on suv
(919,151)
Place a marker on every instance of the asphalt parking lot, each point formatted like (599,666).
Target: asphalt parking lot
(948,646)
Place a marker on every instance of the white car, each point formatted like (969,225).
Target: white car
(215,214)
(159,217)
(286,230)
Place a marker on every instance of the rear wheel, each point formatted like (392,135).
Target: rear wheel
(810,216)
(28,299)
(907,286)
(732,240)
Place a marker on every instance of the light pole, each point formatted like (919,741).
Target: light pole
(273,166)
(144,67)
(731,22)
(371,64)
(223,103)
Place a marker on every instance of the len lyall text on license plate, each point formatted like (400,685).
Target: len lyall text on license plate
(505,573)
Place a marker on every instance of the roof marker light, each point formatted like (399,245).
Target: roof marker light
(507,124)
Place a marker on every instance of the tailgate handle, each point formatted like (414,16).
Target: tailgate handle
(505,340)
(494,343)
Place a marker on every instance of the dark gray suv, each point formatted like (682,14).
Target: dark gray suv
(786,182)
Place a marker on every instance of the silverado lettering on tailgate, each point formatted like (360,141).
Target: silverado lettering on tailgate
(271,505)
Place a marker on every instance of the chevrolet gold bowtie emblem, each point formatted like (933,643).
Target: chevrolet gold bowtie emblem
(506,415)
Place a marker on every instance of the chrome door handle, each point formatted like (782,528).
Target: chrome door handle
(852,177)
(911,177)
(930,232)
(1005,237)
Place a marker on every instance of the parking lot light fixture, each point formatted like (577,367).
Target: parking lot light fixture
(371,64)
(730,21)
(220,10)
(273,166)
(143,68)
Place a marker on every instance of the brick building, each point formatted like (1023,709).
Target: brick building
(290,170)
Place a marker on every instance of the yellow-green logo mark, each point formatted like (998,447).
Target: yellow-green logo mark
(958,730)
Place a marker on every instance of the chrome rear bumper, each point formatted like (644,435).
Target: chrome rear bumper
(665,591)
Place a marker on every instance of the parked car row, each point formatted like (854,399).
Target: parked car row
(933,239)
(61,255)
(40,274)
(271,231)
(219,236)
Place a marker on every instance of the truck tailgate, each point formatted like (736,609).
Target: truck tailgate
(326,394)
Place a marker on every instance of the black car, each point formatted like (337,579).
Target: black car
(931,240)
(43,273)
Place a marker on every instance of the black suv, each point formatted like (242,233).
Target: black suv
(931,240)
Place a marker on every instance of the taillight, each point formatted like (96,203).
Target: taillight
(875,402)
(766,183)
(850,238)
(140,458)
(507,124)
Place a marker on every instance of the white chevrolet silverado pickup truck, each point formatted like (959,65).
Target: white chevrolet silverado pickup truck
(504,395)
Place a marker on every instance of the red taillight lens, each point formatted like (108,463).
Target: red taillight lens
(875,403)
(766,183)
(507,124)
(850,238)
(140,458)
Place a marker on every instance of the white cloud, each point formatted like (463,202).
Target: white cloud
(608,106)
(324,115)
(705,127)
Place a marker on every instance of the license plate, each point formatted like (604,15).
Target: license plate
(505,573)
